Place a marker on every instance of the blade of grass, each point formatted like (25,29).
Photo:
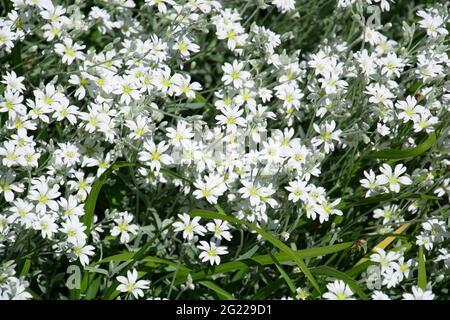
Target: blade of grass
(422,277)
(267,291)
(111,291)
(385,197)
(89,207)
(91,292)
(328,271)
(283,273)
(267,236)
(25,268)
(261,260)
(406,153)
(223,294)
(91,201)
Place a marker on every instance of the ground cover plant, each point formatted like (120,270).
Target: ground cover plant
(200,149)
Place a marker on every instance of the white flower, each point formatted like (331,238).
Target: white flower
(388,213)
(231,118)
(393,179)
(418,294)
(233,74)
(46,224)
(338,290)
(251,191)
(13,82)
(189,228)
(185,46)
(124,227)
(383,259)
(155,155)
(211,188)
(131,284)
(70,207)
(181,135)
(183,85)
(284,5)
(409,109)
(432,22)
(161,4)
(44,195)
(82,252)
(74,230)
(380,94)
(220,229)
(370,182)
(23,212)
(138,127)
(327,134)
(326,209)
(378,295)
(211,252)
(69,50)
(8,187)
(298,191)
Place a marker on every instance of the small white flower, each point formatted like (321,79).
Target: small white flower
(131,284)
(220,229)
(188,226)
(211,252)
(338,290)
(418,294)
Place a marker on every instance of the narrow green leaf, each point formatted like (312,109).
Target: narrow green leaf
(89,207)
(111,292)
(283,273)
(16,58)
(261,260)
(268,291)
(406,153)
(124,256)
(91,292)
(174,175)
(91,201)
(331,272)
(348,203)
(277,243)
(25,268)
(422,277)
(223,294)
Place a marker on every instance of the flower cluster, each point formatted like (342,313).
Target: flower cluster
(285,124)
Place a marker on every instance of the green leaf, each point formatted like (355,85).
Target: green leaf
(174,175)
(277,243)
(16,58)
(89,207)
(406,153)
(422,277)
(91,292)
(223,294)
(91,201)
(34,294)
(111,292)
(268,291)
(383,197)
(25,268)
(117,257)
(328,271)
(283,273)
(261,260)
